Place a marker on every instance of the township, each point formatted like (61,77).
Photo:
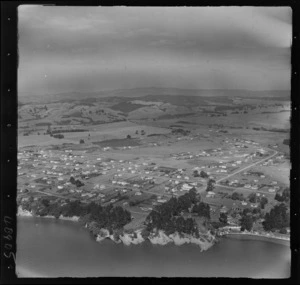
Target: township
(234,153)
(88,174)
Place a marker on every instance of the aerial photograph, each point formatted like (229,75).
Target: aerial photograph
(153,141)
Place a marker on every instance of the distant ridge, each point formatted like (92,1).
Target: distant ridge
(140,92)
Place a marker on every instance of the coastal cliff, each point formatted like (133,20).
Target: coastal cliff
(159,238)
(25,213)
(205,241)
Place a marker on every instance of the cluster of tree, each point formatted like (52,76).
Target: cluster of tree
(142,132)
(247,220)
(58,136)
(256,213)
(263,201)
(277,218)
(133,203)
(81,141)
(246,223)
(218,115)
(284,197)
(202,174)
(171,224)
(277,130)
(253,198)
(237,196)
(76,182)
(216,225)
(223,218)
(286,141)
(248,217)
(180,132)
(107,217)
(202,210)
(122,197)
(99,111)
(66,131)
(210,185)
(168,216)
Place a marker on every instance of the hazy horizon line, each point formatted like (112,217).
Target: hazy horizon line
(151,87)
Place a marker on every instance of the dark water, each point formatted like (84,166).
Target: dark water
(51,248)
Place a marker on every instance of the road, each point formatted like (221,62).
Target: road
(54,195)
(140,213)
(159,194)
(244,168)
(240,188)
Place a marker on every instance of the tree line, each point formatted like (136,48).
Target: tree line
(108,217)
(284,197)
(168,216)
(277,219)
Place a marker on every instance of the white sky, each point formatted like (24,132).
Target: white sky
(65,49)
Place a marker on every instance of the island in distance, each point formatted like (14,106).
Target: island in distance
(163,164)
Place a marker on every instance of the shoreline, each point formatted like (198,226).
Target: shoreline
(249,236)
(25,213)
(204,242)
(159,238)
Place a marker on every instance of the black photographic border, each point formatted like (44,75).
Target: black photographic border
(9,124)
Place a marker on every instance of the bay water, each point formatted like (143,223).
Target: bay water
(56,248)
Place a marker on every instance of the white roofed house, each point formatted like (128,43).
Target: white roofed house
(210,194)
(161,200)
(186,187)
(87,194)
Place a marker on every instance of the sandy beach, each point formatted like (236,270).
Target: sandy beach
(258,237)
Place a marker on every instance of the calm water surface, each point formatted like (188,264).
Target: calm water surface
(55,248)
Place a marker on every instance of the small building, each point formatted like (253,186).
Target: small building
(224,209)
(186,187)
(161,200)
(210,194)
